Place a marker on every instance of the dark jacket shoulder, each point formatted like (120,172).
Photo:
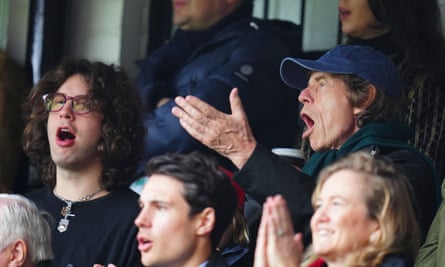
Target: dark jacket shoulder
(216,260)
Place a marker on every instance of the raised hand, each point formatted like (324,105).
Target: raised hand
(228,134)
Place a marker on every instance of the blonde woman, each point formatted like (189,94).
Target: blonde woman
(363,217)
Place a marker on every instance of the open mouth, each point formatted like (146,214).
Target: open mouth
(309,122)
(144,245)
(65,134)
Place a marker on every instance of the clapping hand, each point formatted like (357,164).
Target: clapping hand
(277,245)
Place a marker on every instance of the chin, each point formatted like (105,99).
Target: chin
(146,261)
(322,252)
(349,32)
(318,148)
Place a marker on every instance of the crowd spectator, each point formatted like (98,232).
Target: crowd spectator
(363,216)
(417,46)
(350,103)
(186,206)
(25,233)
(84,132)
(218,45)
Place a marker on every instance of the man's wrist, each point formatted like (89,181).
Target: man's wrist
(240,158)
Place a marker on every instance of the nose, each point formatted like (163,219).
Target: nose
(143,219)
(304,97)
(320,215)
(67,112)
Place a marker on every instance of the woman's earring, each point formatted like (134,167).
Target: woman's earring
(374,237)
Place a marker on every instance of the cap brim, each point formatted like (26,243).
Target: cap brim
(294,71)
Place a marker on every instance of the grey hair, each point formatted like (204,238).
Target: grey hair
(21,219)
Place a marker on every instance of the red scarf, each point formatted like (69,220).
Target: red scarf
(318,263)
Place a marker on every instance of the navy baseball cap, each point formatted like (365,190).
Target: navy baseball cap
(362,61)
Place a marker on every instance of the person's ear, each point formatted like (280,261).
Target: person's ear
(17,252)
(372,94)
(205,221)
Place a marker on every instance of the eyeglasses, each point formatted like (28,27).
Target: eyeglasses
(55,101)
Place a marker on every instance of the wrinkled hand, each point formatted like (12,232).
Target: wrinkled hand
(277,246)
(228,134)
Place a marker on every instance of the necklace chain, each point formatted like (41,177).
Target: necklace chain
(89,196)
(66,210)
(84,198)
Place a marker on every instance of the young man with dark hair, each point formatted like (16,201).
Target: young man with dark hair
(186,205)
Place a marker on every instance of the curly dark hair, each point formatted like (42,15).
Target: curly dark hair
(114,94)
(205,185)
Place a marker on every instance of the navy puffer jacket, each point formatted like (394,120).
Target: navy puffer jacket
(245,54)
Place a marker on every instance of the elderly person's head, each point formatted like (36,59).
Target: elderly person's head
(24,233)
(363,213)
(348,87)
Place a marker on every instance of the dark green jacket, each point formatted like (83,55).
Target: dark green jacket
(432,253)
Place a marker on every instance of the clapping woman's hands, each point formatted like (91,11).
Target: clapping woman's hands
(277,245)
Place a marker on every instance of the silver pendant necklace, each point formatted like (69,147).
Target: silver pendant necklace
(66,210)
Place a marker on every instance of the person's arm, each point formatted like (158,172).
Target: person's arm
(266,174)
(261,173)
(428,253)
(432,251)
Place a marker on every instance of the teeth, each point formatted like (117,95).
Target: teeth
(65,134)
(324,232)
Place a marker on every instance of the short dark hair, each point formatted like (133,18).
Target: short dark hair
(205,185)
(117,99)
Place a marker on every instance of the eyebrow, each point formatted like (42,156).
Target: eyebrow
(153,201)
(329,198)
(317,76)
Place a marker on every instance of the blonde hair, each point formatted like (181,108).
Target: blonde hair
(236,233)
(388,199)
